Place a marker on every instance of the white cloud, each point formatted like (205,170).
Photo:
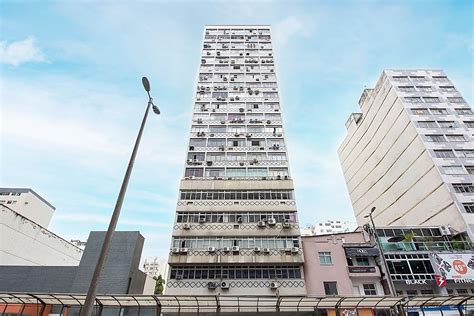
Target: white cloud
(20,52)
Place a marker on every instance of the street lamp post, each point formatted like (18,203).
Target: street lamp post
(376,235)
(86,310)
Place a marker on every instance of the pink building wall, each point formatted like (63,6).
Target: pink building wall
(316,274)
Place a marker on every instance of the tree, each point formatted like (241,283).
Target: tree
(160,284)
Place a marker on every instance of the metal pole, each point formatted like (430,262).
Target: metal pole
(389,279)
(91,293)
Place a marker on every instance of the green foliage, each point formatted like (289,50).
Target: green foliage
(160,284)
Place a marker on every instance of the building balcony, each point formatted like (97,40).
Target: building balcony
(363,271)
(432,246)
(241,256)
(235,229)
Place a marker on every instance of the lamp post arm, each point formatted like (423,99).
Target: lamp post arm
(86,310)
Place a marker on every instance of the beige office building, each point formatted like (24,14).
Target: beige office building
(236,228)
(410,153)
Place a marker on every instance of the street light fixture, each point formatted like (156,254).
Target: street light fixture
(86,310)
(376,235)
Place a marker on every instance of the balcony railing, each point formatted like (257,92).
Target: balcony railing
(427,246)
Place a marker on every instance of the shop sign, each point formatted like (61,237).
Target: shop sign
(362,252)
(416,282)
(440,280)
(456,266)
(362,269)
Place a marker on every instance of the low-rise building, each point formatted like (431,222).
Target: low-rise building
(154,267)
(329,227)
(428,260)
(29,204)
(341,264)
(25,242)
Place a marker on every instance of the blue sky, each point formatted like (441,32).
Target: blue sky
(71,96)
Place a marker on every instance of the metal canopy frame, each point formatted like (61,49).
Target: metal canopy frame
(225,303)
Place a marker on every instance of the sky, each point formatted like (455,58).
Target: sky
(72,100)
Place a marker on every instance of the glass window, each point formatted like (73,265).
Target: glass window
(447,88)
(407,88)
(455,100)
(435,138)
(447,124)
(463,111)
(370,289)
(465,153)
(424,88)
(453,170)
(236,172)
(431,99)
(427,124)
(463,187)
(469,169)
(444,154)
(469,124)
(193,172)
(455,138)
(330,288)
(436,111)
(362,261)
(325,258)
(420,111)
(257,172)
(217,172)
(413,99)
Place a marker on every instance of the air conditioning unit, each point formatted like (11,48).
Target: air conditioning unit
(175,251)
(286,225)
(271,221)
(211,249)
(274,285)
(261,224)
(257,250)
(225,285)
(212,285)
(445,231)
(239,220)
(226,249)
(266,250)
(209,163)
(179,277)
(235,249)
(295,250)
(241,110)
(187,226)
(183,250)
(202,220)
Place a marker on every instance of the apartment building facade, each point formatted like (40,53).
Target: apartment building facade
(236,227)
(410,153)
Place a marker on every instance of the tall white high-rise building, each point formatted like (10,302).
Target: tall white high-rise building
(236,228)
(410,153)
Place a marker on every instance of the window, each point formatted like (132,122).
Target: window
(455,138)
(325,258)
(463,187)
(400,78)
(427,124)
(467,153)
(426,292)
(435,138)
(362,261)
(469,207)
(431,99)
(412,293)
(370,289)
(438,111)
(469,169)
(413,99)
(407,88)
(469,124)
(420,111)
(417,78)
(462,291)
(447,124)
(193,172)
(463,111)
(440,78)
(447,88)
(455,100)
(330,288)
(424,88)
(236,172)
(444,154)
(215,172)
(453,170)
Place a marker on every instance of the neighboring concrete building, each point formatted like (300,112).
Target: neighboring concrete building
(410,152)
(417,256)
(120,275)
(341,264)
(155,267)
(329,227)
(29,204)
(236,229)
(25,242)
